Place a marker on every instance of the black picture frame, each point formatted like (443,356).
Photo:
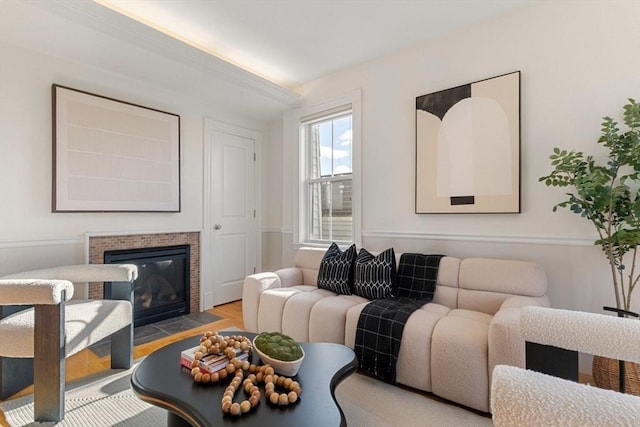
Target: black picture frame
(468,148)
(113,156)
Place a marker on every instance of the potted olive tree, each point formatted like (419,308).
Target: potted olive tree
(608,194)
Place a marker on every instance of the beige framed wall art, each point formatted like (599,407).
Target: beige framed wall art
(113,156)
(468,148)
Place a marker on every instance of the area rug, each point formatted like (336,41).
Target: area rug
(367,401)
(100,400)
(106,399)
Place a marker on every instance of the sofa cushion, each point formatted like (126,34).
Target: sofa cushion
(336,269)
(272,303)
(328,317)
(503,276)
(380,332)
(459,358)
(307,260)
(417,275)
(295,315)
(414,360)
(374,275)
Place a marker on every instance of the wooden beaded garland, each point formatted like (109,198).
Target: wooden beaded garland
(212,342)
(293,390)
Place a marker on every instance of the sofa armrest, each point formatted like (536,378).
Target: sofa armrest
(526,398)
(290,276)
(254,285)
(506,344)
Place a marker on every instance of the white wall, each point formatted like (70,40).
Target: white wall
(31,236)
(579,62)
(272,176)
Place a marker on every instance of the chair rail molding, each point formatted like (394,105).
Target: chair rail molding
(53,241)
(486,238)
(482,238)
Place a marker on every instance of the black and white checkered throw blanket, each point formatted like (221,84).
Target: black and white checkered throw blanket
(382,321)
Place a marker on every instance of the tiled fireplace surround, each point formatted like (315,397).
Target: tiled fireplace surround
(98,244)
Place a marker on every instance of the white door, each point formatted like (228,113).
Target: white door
(231,225)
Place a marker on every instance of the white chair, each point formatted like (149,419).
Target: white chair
(522,397)
(57,327)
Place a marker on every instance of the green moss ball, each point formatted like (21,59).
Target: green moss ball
(278,346)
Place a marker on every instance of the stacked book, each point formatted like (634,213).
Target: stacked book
(211,362)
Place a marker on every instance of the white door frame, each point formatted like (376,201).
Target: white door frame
(210,126)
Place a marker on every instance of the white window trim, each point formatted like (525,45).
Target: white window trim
(354,99)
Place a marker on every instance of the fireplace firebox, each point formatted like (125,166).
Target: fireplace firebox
(161,290)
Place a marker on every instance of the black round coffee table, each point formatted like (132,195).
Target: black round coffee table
(160,380)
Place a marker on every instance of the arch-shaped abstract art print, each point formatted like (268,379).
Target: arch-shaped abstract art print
(468,148)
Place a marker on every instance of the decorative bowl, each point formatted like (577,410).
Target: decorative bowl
(281,367)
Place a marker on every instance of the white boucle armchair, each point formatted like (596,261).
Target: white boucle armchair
(521,397)
(57,327)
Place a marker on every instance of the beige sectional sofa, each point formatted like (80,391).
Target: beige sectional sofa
(449,346)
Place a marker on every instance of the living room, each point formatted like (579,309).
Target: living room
(579,61)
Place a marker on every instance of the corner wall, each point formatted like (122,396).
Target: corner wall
(33,237)
(579,62)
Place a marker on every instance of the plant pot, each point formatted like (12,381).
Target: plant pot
(282,367)
(606,375)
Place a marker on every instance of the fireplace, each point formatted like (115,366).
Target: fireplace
(161,290)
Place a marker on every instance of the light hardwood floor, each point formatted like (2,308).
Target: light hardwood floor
(86,362)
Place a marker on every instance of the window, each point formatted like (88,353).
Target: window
(329,178)
(328,210)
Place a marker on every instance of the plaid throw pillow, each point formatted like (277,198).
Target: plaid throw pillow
(336,269)
(374,275)
(417,275)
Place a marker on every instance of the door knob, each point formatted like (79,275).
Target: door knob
(217,227)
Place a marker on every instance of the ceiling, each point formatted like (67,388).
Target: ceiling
(291,42)
(247,57)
